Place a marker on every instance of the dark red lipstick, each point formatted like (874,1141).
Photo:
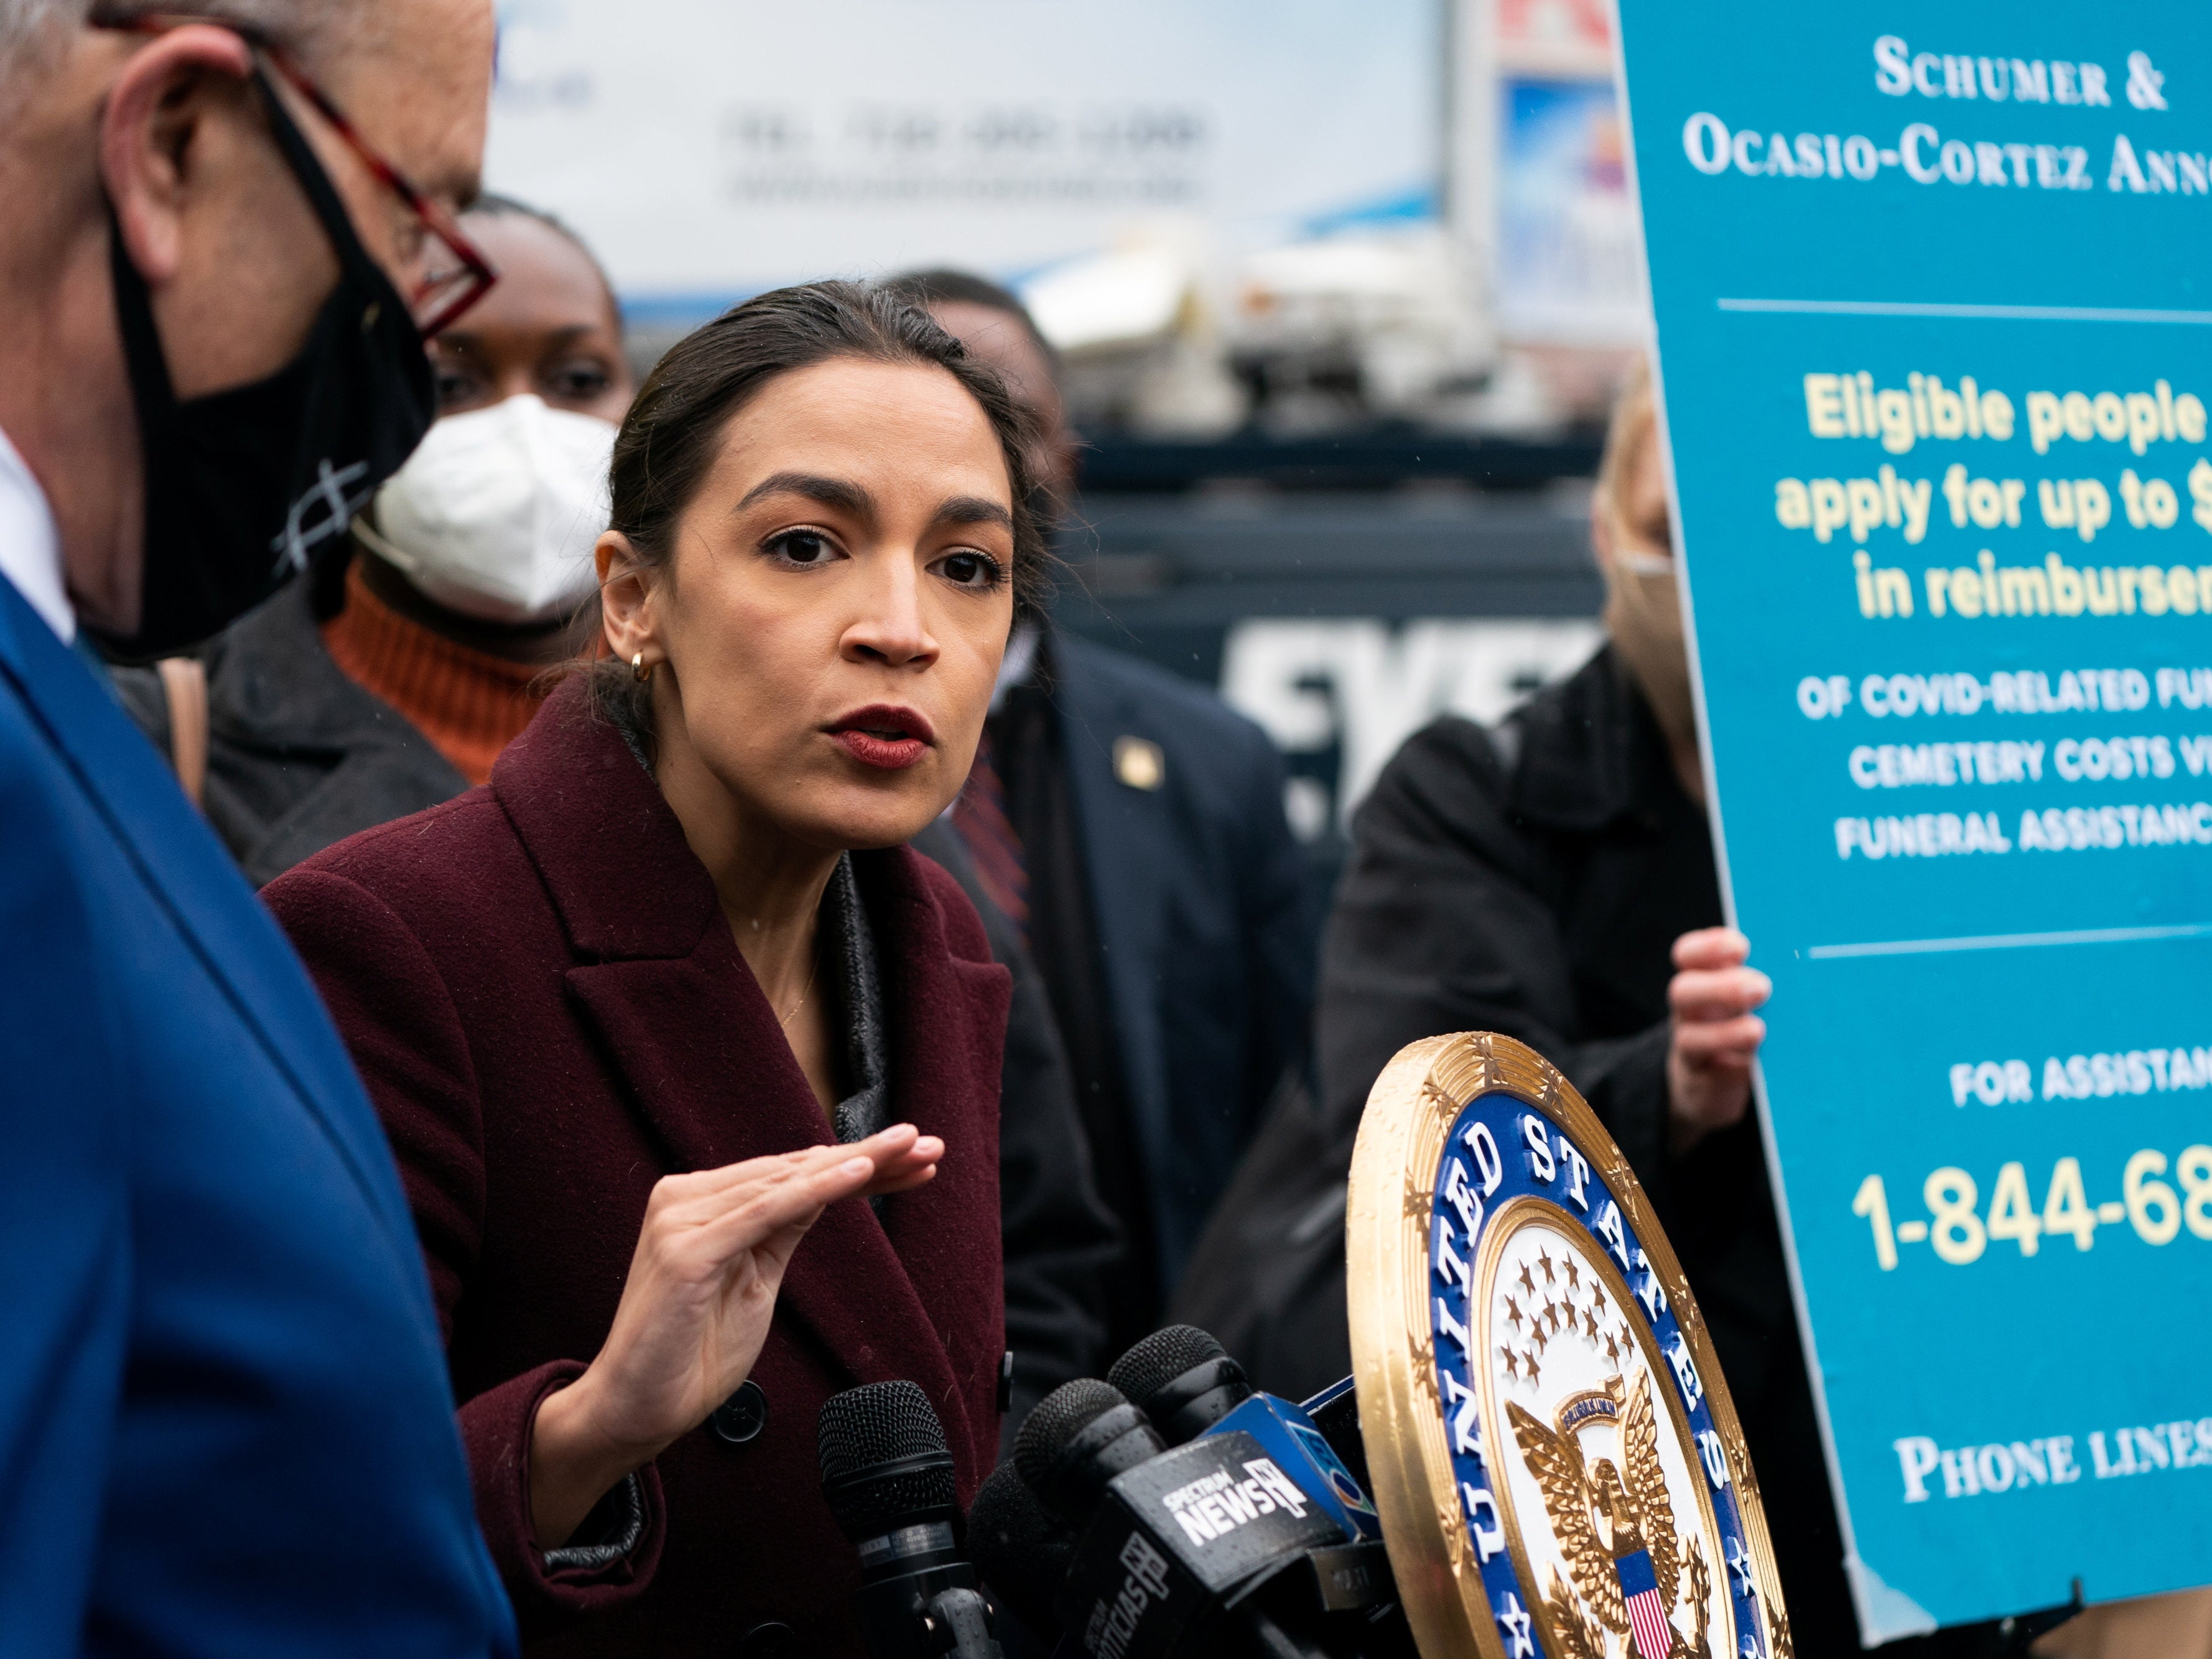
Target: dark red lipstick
(887,735)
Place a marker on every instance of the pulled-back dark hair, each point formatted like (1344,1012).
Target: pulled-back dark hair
(673,434)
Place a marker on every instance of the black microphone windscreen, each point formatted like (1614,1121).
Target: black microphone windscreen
(1059,1417)
(884,1457)
(1160,1358)
(1020,1548)
(1183,1379)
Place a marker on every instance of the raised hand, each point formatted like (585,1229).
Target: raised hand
(695,1309)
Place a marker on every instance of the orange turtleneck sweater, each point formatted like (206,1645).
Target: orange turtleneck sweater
(469,704)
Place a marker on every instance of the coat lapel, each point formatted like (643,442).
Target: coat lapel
(948,1018)
(712,1077)
(191,880)
(661,980)
(1129,849)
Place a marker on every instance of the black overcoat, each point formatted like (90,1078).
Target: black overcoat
(1532,880)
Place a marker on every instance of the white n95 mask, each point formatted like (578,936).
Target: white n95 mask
(497,514)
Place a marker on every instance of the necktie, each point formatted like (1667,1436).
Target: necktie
(978,813)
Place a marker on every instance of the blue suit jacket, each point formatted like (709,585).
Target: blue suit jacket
(225,1426)
(1204,926)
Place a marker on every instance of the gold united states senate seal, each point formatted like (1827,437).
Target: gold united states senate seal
(1552,1451)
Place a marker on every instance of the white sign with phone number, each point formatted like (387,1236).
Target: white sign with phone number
(708,148)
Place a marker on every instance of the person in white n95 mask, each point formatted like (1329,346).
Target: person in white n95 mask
(391,677)
(495,515)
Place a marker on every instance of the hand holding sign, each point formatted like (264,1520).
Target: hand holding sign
(1937,399)
(1716,1036)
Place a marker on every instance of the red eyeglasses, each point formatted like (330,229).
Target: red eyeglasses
(455,273)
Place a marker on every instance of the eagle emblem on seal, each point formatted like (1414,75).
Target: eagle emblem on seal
(1562,1475)
(1615,1526)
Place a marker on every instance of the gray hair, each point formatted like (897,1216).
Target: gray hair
(32,31)
(28,29)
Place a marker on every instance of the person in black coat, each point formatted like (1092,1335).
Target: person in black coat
(1131,825)
(1553,878)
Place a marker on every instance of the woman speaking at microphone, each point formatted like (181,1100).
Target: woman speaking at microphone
(670,991)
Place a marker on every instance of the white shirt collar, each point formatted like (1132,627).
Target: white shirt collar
(30,546)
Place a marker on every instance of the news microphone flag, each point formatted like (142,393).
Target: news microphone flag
(1297,1443)
(1180,1538)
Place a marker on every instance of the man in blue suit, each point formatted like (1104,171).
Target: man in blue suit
(225,1428)
(1132,823)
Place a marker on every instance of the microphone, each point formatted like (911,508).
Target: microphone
(1022,1551)
(887,1476)
(1082,1435)
(1335,1412)
(1183,1379)
(1204,1548)
(1190,1387)
(1186,1382)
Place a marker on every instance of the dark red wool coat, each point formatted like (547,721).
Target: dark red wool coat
(550,1012)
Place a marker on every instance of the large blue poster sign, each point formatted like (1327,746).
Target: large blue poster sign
(1934,296)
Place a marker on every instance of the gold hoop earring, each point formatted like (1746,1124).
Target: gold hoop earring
(638,670)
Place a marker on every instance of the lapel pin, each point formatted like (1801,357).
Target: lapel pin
(1138,763)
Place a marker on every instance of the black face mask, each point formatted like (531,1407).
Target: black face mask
(243,486)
